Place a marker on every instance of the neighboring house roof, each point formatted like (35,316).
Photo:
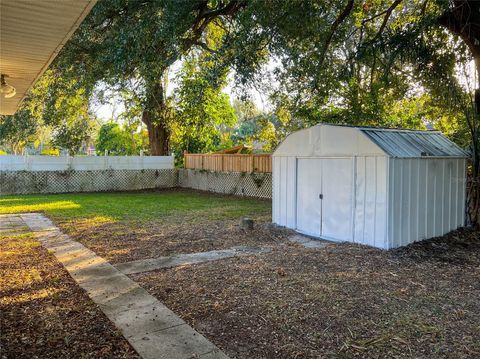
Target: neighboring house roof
(413,143)
(235,150)
(32,34)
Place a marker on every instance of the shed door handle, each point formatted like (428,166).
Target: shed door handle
(320,196)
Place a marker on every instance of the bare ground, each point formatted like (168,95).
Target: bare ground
(43,313)
(123,242)
(342,301)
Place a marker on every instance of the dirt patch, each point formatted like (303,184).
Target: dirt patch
(341,301)
(123,242)
(44,314)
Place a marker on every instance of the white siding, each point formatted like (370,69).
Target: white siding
(309,205)
(422,210)
(396,191)
(284,191)
(276,194)
(337,181)
(371,201)
(427,198)
(291,188)
(405,201)
(414,204)
(396,200)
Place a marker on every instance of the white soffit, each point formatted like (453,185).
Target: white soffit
(32,32)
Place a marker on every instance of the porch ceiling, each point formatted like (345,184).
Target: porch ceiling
(32,32)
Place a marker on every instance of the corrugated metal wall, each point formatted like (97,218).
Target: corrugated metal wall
(370,193)
(284,199)
(397,200)
(370,226)
(426,198)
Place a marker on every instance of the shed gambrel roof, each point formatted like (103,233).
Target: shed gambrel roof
(327,140)
(412,143)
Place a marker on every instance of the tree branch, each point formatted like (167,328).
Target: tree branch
(462,20)
(388,13)
(205,17)
(204,46)
(393,6)
(424,8)
(231,8)
(341,17)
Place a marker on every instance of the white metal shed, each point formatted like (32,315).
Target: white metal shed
(379,187)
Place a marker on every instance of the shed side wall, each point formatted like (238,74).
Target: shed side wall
(284,191)
(370,224)
(426,199)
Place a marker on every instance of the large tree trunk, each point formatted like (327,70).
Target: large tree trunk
(155,117)
(473,194)
(157,134)
(463,19)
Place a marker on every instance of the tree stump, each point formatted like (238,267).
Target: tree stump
(246,224)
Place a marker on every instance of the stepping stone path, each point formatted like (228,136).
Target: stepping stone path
(12,224)
(308,242)
(151,328)
(146,265)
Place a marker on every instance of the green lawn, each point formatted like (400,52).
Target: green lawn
(137,206)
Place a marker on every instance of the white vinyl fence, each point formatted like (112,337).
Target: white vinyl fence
(61,174)
(84,163)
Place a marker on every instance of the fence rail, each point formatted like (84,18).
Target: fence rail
(228,163)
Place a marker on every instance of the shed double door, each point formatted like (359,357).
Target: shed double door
(325,197)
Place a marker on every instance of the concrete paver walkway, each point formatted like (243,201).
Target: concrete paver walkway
(11,224)
(146,265)
(309,242)
(151,328)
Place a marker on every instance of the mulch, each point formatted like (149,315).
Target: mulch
(121,242)
(44,314)
(342,301)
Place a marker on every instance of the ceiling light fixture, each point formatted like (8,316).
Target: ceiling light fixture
(6,89)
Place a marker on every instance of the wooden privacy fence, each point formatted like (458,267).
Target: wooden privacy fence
(228,163)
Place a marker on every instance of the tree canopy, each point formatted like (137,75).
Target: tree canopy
(374,62)
(133,44)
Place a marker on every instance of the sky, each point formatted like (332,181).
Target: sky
(115,107)
(467,76)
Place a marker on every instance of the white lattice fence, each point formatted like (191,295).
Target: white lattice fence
(25,182)
(235,183)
